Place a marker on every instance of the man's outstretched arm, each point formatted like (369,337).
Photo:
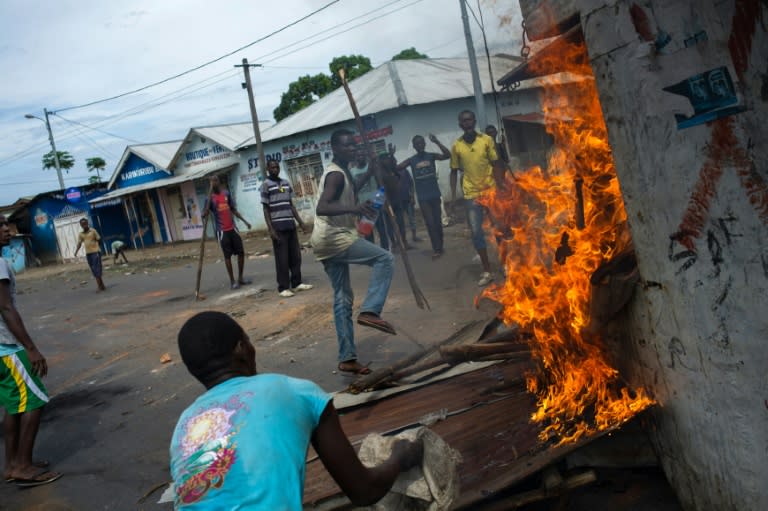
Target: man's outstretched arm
(445,154)
(361,484)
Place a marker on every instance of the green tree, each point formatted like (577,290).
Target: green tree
(302,93)
(354,66)
(409,53)
(66,160)
(95,164)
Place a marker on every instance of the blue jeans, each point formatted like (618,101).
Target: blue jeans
(475,214)
(337,269)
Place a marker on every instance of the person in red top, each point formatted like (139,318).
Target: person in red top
(222,205)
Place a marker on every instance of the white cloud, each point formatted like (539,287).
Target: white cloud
(69,52)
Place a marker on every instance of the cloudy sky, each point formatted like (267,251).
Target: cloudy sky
(67,53)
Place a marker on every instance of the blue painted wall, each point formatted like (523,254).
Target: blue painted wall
(44,208)
(137,171)
(111,223)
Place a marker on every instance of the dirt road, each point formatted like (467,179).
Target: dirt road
(115,403)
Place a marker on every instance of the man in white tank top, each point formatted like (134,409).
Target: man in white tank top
(336,244)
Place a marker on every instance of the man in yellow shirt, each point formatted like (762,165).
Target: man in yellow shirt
(475,155)
(90,238)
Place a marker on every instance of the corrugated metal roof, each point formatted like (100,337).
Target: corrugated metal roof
(160,183)
(159,155)
(9,210)
(393,84)
(230,135)
(484,414)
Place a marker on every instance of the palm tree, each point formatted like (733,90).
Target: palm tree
(96,164)
(66,160)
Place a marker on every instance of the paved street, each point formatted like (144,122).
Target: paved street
(115,403)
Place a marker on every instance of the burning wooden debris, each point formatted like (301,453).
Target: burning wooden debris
(569,269)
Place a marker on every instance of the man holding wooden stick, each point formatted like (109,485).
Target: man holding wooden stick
(222,205)
(337,245)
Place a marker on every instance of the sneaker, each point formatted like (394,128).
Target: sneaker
(485,279)
(234,285)
(286,293)
(303,287)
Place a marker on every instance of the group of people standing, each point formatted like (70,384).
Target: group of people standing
(266,422)
(336,244)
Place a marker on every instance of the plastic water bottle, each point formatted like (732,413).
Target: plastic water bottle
(365,225)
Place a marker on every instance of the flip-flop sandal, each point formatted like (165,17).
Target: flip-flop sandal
(45,477)
(38,464)
(375,322)
(360,371)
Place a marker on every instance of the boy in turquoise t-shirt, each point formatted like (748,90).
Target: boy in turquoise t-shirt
(243,443)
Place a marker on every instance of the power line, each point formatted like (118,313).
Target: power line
(68,134)
(154,103)
(281,29)
(81,134)
(95,129)
(350,20)
(348,29)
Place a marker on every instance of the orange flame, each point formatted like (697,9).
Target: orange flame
(578,391)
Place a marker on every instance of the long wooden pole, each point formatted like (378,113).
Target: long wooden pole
(138,226)
(421,300)
(206,214)
(130,225)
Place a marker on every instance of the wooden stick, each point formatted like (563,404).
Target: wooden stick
(421,300)
(130,225)
(206,214)
(385,374)
(481,350)
(511,335)
(508,355)
(359,123)
(138,226)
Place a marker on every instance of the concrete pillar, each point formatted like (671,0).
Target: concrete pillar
(684,91)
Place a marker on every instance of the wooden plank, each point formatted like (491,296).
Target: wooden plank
(473,399)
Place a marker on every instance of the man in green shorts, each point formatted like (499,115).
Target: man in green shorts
(22,394)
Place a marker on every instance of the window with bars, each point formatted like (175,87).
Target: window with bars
(305,173)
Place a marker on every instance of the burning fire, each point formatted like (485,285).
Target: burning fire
(549,256)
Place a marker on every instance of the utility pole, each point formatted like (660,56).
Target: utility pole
(254,117)
(476,85)
(53,144)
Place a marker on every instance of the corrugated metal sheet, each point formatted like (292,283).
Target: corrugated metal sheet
(487,421)
(159,155)
(160,183)
(231,135)
(418,81)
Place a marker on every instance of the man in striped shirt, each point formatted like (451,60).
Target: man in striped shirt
(22,394)
(281,217)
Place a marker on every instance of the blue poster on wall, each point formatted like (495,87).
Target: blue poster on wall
(711,94)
